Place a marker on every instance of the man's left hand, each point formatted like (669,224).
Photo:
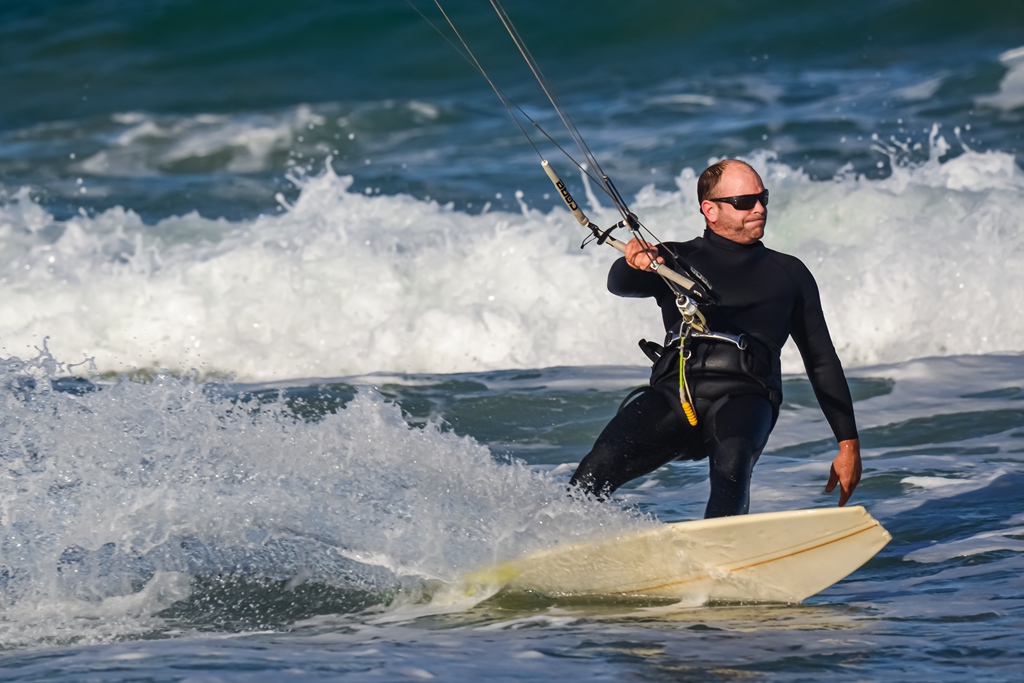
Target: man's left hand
(846,470)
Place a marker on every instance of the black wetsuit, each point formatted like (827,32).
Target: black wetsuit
(766,296)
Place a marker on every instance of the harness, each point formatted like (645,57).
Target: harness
(695,353)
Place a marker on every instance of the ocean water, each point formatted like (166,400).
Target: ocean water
(294,332)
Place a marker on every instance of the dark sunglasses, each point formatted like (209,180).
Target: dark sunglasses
(745,202)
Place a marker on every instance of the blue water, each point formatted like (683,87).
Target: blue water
(294,332)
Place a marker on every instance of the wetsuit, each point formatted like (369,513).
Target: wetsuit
(764,295)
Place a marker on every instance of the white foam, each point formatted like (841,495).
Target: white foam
(149,145)
(1011,87)
(539,621)
(929,261)
(938,482)
(985,542)
(115,499)
(684,99)
(920,91)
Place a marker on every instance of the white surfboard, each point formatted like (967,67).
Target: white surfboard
(773,557)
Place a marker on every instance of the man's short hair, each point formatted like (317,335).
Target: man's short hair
(709,179)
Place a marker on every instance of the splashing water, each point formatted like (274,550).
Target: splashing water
(121,499)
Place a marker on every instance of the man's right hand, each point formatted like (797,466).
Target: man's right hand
(640,254)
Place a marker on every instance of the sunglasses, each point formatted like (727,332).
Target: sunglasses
(745,202)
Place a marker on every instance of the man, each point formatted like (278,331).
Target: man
(764,298)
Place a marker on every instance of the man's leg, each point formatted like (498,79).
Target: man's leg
(736,429)
(642,437)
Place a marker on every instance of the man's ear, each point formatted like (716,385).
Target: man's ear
(710,210)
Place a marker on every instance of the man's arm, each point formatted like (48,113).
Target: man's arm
(828,380)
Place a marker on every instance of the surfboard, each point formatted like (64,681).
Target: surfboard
(771,557)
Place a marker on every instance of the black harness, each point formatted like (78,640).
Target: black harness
(751,367)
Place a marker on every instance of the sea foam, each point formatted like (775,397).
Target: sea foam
(928,261)
(119,498)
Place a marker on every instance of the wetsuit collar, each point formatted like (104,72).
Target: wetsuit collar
(719,241)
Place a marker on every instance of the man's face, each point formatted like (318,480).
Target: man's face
(743,227)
